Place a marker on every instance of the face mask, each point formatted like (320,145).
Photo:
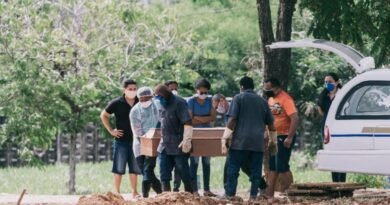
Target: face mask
(221,109)
(130,94)
(203,96)
(146,104)
(329,86)
(162,100)
(175,92)
(269,93)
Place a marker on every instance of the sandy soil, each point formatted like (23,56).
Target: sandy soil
(364,197)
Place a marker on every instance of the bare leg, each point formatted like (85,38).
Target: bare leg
(117,183)
(286,179)
(272,178)
(133,183)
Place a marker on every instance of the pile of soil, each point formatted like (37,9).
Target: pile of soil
(108,199)
(175,198)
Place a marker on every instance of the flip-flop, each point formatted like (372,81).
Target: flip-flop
(136,197)
(269,199)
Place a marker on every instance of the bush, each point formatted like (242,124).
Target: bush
(371,181)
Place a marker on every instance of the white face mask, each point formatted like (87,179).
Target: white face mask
(221,109)
(130,94)
(203,96)
(146,104)
(175,92)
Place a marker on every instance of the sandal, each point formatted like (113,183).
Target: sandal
(136,197)
(209,194)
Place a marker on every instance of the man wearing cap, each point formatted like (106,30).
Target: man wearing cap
(176,135)
(143,117)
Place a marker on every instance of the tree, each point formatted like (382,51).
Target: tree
(63,61)
(276,63)
(363,24)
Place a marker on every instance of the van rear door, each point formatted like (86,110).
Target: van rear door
(359,62)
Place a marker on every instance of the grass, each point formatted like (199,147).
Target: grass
(97,178)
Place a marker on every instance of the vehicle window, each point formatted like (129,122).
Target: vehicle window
(376,99)
(367,102)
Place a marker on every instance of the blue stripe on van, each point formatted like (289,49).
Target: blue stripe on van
(382,135)
(360,135)
(351,135)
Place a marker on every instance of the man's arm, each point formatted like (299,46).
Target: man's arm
(294,125)
(271,128)
(231,123)
(320,111)
(135,123)
(105,116)
(206,119)
(194,121)
(293,128)
(227,135)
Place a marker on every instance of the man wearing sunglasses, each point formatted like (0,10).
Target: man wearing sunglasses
(203,114)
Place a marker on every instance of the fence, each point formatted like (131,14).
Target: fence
(90,148)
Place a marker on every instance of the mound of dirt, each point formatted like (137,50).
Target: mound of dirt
(183,198)
(108,199)
(166,198)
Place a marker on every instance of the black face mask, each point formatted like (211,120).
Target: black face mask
(269,93)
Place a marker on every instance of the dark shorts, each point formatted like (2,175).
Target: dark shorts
(280,162)
(122,155)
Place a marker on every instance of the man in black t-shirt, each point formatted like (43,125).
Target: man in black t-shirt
(122,153)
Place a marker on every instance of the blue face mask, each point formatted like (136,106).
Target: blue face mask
(329,86)
(162,100)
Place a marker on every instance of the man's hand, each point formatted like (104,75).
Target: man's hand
(116,133)
(272,147)
(287,142)
(272,142)
(224,147)
(186,144)
(227,135)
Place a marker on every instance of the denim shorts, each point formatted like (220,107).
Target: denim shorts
(122,155)
(280,162)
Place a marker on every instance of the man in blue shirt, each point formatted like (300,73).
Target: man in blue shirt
(248,116)
(202,113)
(176,135)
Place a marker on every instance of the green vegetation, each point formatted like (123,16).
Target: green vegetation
(368,180)
(97,178)
(61,62)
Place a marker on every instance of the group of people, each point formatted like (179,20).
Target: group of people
(257,127)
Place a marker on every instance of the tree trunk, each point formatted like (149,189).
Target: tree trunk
(59,147)
(72,164)
(276,63)
(283,33)
(267,37)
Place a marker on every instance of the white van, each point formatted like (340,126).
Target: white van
(357,128)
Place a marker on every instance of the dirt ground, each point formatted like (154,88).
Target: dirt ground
(361,197)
